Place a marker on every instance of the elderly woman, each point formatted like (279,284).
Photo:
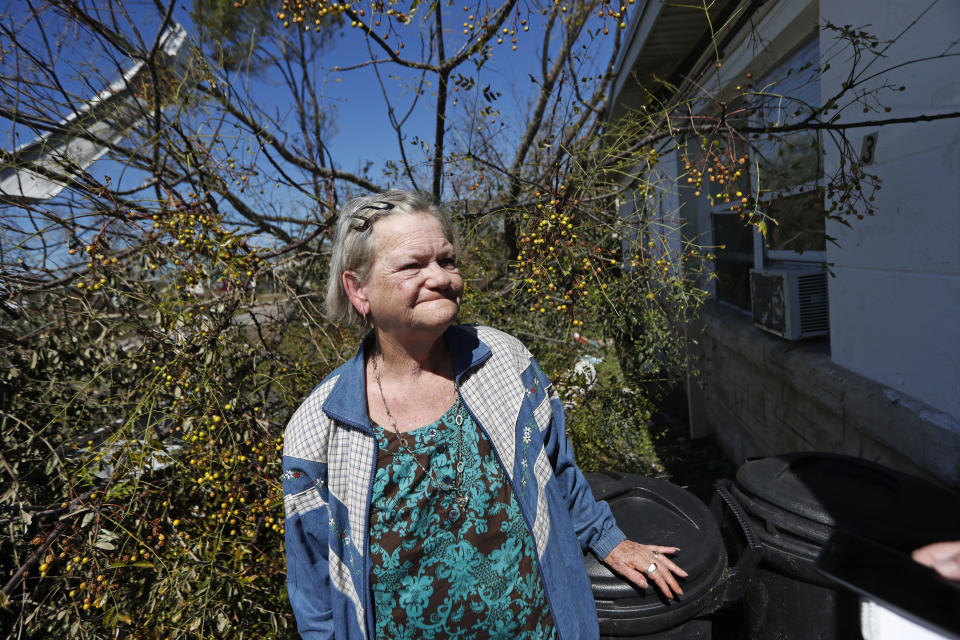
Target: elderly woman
(429,486)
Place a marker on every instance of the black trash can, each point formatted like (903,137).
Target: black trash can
(655,511)
(795,501)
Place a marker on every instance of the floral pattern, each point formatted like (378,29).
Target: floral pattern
(442,569)
(524,447)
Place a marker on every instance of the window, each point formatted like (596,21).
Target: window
(734,242)
(800,225)
(784,175)
(790,165)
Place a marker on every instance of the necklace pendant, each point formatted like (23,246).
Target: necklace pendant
(447,484)
(463,501)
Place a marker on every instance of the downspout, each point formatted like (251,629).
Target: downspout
(624,53)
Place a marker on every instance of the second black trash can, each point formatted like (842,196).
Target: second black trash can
(795,501)
(658,512)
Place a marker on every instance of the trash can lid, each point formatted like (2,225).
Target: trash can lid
(810,494)
(654,511)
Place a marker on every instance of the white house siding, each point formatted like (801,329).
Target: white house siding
(895,300)
(663,229)
(886,385)
(666,227)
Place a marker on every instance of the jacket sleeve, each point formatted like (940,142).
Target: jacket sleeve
(306,531)
(592,519)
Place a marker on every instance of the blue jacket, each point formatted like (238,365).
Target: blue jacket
(330,458)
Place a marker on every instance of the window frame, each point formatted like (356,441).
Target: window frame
(764,255)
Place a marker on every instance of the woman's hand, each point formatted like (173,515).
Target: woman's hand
(942,556)
(633,561)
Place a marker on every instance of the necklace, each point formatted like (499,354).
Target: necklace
(455,484)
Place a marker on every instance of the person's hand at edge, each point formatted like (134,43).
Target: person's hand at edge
(943,557)
(633,561)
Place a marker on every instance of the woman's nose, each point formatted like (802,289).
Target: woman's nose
(437,276)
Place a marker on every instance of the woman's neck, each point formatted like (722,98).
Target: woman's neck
(411,357)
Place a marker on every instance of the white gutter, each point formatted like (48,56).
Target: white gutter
(104,120)
(636,37)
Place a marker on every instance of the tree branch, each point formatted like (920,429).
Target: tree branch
(281,149)
(441,117)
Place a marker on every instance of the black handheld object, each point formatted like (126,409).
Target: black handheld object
(892,578)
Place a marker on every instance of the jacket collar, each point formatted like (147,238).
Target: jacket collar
(347,400)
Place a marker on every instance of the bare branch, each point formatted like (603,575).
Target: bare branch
(282,149)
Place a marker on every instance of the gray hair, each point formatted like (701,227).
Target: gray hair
(353,246)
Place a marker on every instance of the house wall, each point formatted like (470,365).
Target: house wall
(666,223)
(886,385)
(760,395)
(662,233)
(895,300)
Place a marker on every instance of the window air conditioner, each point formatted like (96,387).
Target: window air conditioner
(791,303)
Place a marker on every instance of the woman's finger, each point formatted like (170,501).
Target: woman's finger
(659,549)
(663,578)
(670,564)
(659,577)
(634,576)
(660,558)
(670,580)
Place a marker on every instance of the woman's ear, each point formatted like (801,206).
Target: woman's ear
(356,292)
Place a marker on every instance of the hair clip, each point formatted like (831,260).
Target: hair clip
(365,223)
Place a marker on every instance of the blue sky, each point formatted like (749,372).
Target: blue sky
(361,131)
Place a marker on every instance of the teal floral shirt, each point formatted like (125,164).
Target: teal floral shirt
(452,555)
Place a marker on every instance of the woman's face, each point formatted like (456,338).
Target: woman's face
(414,285)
